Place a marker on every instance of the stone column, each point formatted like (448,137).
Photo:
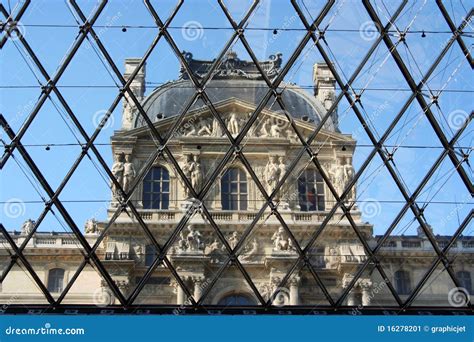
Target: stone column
(351,299)
(294,290)
(179,293)
(366,285)
(346,279)
(325,87)
(137,87)
(198,284)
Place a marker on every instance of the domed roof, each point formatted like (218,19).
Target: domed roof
(232,79)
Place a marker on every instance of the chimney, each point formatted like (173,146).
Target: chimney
(324,84)
(138,88)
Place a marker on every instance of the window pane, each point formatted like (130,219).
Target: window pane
(233,185)
(243,202)
(156,189)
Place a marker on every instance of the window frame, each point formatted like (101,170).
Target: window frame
(234,199)
(317,184)
(402,282)
(250,301)
(465,280)
(55,283)
(159,199)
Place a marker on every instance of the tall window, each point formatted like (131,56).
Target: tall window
(311,191)
(236,299)
(150,254)
(465,281)
(402,282)
(55,280)
(234,190)
(156,189)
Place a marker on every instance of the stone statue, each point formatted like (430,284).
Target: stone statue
(337,173)
(27,227)
(128,111)
(264,130)
(275,131)
(128,173)
(216,128)
(212,250)
(196,174)
(233,125)
(117,171)
(212,247)
(331,257)
(348,177)
(204,127)
(281,242)
(272,174)
(193,239)
(233,240)
(250,251)
(281,168)
(182,246)
(91,226)
(138,249)
(188,168)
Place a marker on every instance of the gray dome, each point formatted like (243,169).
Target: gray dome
(169,99)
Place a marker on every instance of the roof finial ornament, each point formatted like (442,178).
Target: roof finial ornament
(231,54)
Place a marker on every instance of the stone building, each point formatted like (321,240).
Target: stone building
(234,201)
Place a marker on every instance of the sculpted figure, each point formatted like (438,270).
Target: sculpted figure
(275,131)
(188,169)
(280,243)
(216,128)
(27,227)
(233,240)
(117,171)
(337,173)
(212,250)
(251,251)
(181,242)
(128,173)
(272,174)
(281,168)
(331,257)
(194,239)
(348,177)
(233,125)
(91,226)
(196,174)
(204,127)
(264,130)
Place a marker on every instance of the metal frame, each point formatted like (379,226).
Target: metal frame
(314,36)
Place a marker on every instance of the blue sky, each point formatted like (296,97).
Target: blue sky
(386,93)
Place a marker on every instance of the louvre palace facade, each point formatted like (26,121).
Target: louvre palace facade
(204,230)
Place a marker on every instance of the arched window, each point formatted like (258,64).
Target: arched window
(156,189)
(150,254)
(236,299)
(402,282)
(234,190)
(465,281)
(311,191)
(55,280)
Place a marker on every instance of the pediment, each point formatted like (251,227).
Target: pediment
(200,123)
